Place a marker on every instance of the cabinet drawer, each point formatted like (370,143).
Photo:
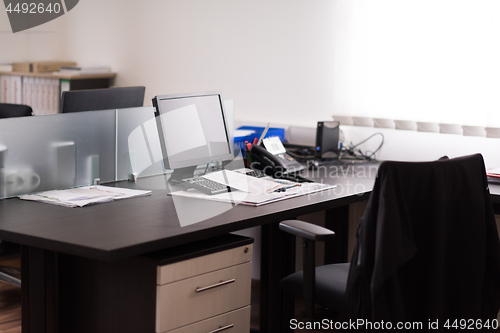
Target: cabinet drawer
(201,297)
(233,322)
(204,264)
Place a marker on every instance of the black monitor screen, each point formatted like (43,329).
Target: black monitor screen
(192,129)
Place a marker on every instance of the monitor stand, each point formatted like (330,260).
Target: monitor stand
(179,174)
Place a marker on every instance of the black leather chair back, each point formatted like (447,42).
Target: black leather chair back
(15,110)
(428,246)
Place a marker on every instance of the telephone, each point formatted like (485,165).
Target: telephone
(274,161)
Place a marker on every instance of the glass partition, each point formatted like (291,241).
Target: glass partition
(72,149)
(57,151)
(138,148)
(66,150)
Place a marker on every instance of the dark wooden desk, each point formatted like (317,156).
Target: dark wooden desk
(124,229)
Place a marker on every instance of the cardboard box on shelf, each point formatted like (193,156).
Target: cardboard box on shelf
(40,66)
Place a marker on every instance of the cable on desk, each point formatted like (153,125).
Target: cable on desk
(349,153)
(352,154)
(301,154)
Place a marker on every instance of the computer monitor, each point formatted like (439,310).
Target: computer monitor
(193,130)
(102,99)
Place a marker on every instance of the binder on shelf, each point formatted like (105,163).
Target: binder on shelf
(11,89)
(4,88)
(54,96)
(28,90)
(16,91)
(42,94)
(36,106)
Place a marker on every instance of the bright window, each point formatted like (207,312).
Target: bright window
(423,60)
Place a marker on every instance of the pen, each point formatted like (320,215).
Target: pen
(286,182)
(283,189)
(273,188)
(263,134)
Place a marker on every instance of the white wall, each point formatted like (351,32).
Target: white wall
(420,146)
(40,43)
(273,57)
(402,145)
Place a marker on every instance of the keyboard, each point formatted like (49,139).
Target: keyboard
(206,186)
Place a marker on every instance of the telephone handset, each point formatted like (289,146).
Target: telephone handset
(276,165)
(265,161)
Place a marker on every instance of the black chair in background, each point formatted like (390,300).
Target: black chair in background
(427,249)
(15,110)
(102,99)
(7,249)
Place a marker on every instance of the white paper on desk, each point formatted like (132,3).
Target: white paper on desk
(118,192)
(308,188)
(239,197)
(242,182)
(38,198)
(494,171)
(235,197)
(83,196)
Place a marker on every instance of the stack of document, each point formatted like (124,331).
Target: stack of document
(74,70)
(84,196)
(252,191)
(493,175)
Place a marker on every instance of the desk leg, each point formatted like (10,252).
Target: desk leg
(278,260)
(39,290)
(337,219)
(496,208)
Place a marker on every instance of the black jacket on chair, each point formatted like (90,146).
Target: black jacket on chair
(428,246)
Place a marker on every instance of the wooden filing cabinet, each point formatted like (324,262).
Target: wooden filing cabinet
(204,287)
(232,322)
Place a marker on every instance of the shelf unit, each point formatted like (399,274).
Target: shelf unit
(42,91)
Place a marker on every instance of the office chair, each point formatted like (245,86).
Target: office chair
(7,249)
(427,249)
(15,110)
(102,99)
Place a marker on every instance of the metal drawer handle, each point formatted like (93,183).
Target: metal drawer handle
(220,329)
(215,285)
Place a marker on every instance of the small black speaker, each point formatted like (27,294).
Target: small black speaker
(327,140)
